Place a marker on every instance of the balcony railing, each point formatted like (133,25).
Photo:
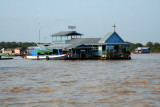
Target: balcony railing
(60,41)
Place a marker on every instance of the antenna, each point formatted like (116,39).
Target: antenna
(39,35)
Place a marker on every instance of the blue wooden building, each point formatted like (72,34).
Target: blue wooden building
(111,46)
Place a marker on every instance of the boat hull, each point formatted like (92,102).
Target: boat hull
(48,57)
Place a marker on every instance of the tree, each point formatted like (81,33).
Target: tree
(156,45)
(2,44)
(24,45)
(138,45)
(149,44)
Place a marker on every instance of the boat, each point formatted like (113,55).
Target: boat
(48,57)
(4,58)
(142,50)
(46,54)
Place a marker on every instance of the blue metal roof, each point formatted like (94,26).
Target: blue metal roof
(111,37)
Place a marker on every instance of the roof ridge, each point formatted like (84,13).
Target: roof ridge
(66,33)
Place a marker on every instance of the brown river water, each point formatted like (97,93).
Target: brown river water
(81,83)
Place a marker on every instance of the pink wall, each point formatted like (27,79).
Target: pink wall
(17,51)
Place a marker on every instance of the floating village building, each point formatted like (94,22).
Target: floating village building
(142,50)
(111,46)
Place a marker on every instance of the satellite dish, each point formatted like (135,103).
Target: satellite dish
(71,27)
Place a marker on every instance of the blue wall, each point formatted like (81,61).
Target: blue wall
(34,52)
(109,47)
(114,38)
(145,51)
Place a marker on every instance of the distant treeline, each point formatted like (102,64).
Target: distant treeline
(23,45)
(155,47)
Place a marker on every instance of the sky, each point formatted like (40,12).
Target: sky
(137,21)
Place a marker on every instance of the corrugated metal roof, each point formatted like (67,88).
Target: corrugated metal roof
(74,43)
(78,46)
(70,46)
(75,40)
(66,33)
(57,45)
(86,41)
(102,40)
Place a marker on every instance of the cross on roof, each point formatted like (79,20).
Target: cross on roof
(114,27)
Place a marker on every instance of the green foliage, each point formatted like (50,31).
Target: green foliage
(149,44)
(23,45)
(155,47)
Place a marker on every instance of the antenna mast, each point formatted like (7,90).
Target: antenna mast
(39,35)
